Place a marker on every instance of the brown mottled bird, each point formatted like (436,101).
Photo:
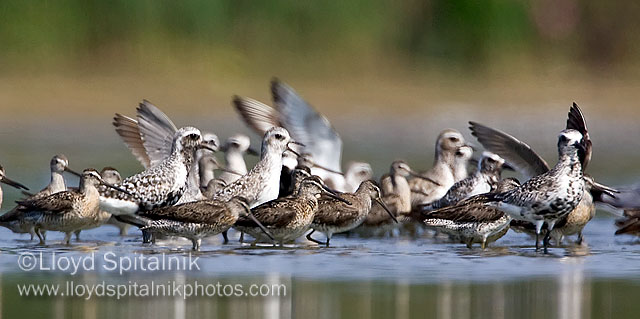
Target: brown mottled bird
(287,218)
(66,211)
(472,220)
(194,220)
(336,216)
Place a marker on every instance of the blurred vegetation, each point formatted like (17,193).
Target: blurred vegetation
(467,35)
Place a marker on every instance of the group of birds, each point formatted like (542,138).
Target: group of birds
(298,186)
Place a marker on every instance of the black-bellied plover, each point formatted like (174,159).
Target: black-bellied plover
(484,180)
(472,220)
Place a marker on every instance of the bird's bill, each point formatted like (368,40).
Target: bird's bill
(508,166)
(292,151)
(253,152)
(386,208)
(580,146)
(414,174)
(333,194)
(255,220)
(338,198)
(68,170)
(119,189)
(327,169)
(296,143)
(605,189)
(13,183)
(206,147)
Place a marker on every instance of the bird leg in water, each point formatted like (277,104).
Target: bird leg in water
(315,240)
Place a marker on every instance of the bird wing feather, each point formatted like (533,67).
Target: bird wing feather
(515,152)
(128,130)
(307,126)
(156,132)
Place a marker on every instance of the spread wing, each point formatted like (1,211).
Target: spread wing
(128,130)
(473,209)
(515,152)
(627,198)
(257,115)
(307,126)
(55,203)
(577,122)
(156,131)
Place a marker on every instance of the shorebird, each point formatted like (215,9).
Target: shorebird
(66,211)
(112,176)
(160,185)
(58,165)
(484,180)
(304,124)
(445,171)
(630,224)
(150,139)
(194,220)
(234,149)
(526,161)
(396,194)
(574,222)
(337,216)
(291,182)
(551,196)
(262,183)
(4,179)
(289,217)
(213,187)
(472,220)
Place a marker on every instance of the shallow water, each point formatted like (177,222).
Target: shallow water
(354,278)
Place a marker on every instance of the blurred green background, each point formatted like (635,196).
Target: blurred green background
(410,68)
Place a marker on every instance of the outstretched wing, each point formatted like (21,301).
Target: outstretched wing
(515,152)
(627,198)
(129,132)
(577,122)
(257,115)
(307,126)
(156,131)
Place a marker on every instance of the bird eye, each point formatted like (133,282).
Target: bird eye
(563,138)
(453,139)
(279,137)
(235,144)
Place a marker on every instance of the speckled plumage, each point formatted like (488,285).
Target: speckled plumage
(194,220)
(11,220)
(471,219)
(286,218)
(262,183)
(552,195)
(484,180)
(160,185)
(66,211)
(334,216)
